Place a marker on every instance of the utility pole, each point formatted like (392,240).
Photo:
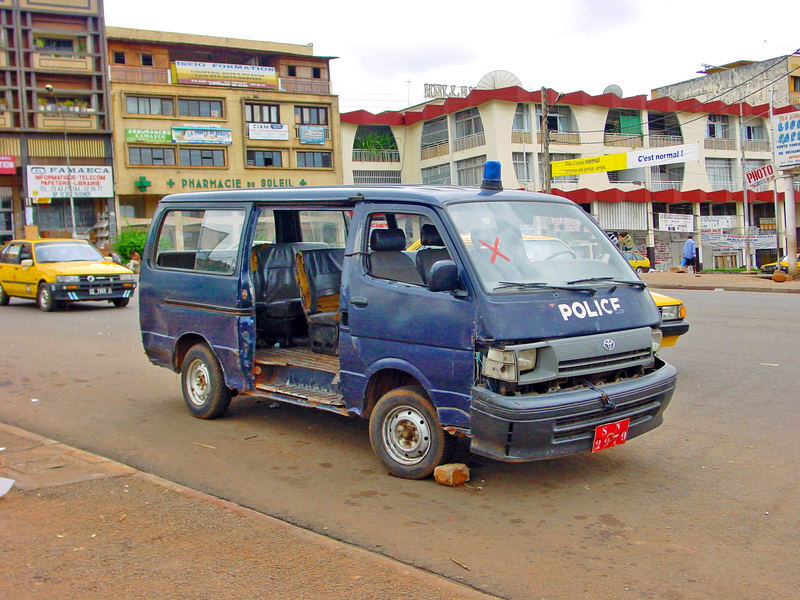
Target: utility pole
(745,205)
(545,144)
(789,208)
(52,93)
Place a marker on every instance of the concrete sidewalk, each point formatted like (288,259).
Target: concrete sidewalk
(77,525)
(718,281)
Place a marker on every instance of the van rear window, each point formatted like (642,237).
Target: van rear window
(200,240)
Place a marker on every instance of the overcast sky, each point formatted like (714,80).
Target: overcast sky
(388,51)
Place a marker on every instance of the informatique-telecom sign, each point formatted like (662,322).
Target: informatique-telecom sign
(786,139)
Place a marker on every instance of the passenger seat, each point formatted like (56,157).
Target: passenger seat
(432,250)
(387,259)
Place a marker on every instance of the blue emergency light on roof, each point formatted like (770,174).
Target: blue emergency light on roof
(491,176)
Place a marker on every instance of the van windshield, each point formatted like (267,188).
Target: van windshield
(537,245)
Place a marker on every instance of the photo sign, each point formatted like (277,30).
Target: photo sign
(80,182)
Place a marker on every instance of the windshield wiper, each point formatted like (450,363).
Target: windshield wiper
(637,284)
(541,285)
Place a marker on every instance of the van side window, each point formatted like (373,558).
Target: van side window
(326,226)
(200,240)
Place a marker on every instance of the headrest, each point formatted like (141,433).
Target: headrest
(381,240)
(429,235)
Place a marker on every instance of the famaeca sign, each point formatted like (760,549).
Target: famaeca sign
(56,181)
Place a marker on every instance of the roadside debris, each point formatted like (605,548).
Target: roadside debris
(779,276)
(452,474)
(5,485)
(462,565)
(204,445)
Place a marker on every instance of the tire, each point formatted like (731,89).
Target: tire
(120,302)
(405,434)
(640,270)
(203,384)
(44,298)
(4,298)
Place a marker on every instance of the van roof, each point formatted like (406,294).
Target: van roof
(432,195)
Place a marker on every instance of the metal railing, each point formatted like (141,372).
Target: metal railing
(561,137)
(434,151)
(658,186)
(521,137)
(376,156)
(756,145)
(138,75)
(470,141)
(304,86)
(327,130)
(719,143)
(662,141)
(625,140)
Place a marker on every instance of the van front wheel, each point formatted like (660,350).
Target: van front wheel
(203,384)
(405,433)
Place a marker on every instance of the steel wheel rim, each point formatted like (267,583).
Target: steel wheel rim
(198,382)
(406,435)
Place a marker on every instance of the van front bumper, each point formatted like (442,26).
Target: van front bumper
(539,426)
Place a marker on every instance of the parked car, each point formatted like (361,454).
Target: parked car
(770,268)
(673,318)
(56,272)
(639,262)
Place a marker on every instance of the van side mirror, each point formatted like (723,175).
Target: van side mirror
(26,262)
(443,276)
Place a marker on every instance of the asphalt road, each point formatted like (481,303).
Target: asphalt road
(708,505)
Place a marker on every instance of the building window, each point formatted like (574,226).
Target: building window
(720,173)
(119,58)
(147,60)
(316,72)
(522,167)
(557,118)
(292,70)
(522,118)
(795,84)
(468,122)
(372,177)
(314,159)
(140,155)
(434,132)
(63,45)
(264,158)
(191,157)
(717,126)
(754,133)
(437,175)
(311,115)
(469,172)
(146,105)
(190,107)
(261,113)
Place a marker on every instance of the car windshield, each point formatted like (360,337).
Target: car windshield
(66,252)
(537,245)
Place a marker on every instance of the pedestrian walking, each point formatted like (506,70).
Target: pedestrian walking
(688,255)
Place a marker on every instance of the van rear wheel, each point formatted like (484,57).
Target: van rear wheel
(405,433)
(203,384)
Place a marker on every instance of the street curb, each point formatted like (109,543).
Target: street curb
(458,590)
(678,286)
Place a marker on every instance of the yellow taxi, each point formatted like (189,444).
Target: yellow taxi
(56,271)
(639,262)
(770,268)
(673,318)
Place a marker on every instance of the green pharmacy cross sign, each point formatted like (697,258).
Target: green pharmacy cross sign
(142,184)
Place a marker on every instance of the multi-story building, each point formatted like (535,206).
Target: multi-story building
(448,141)
(202,113)
(54,115)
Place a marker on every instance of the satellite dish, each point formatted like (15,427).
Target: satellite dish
(613,89)
(496,80)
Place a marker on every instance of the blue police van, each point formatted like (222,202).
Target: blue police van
(506,317)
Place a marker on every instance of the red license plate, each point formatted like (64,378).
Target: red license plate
(612,434)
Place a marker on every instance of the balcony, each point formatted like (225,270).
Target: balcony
(435,150)
(623,140)
(663,141)
(660,186)
(561,137)
(756,145)
(299,85)
(48,120)
(49,61)
(720,143)
(470,141)
(297,131)
(380,156)
(139,75)
(521,137)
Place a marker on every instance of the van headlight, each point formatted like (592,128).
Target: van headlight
(656,340)
(507,365)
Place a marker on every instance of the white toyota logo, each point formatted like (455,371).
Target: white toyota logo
(609,344)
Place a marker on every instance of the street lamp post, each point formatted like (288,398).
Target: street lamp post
(50,91)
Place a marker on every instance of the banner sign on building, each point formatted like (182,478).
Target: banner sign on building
(202,135)
(729,241)
(627,160)
(201,73)
(312,134)
(760,175)
(7,165)
(435,90)
(267,131)
(150,136)
(81,181)
(670,222)
(786,139)
(717,222)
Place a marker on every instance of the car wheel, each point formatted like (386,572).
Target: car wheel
(405,433)
(203,384)
(44,298)
(640,270)
(4,298)
(121,302)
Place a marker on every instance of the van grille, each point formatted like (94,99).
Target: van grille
(608,362)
